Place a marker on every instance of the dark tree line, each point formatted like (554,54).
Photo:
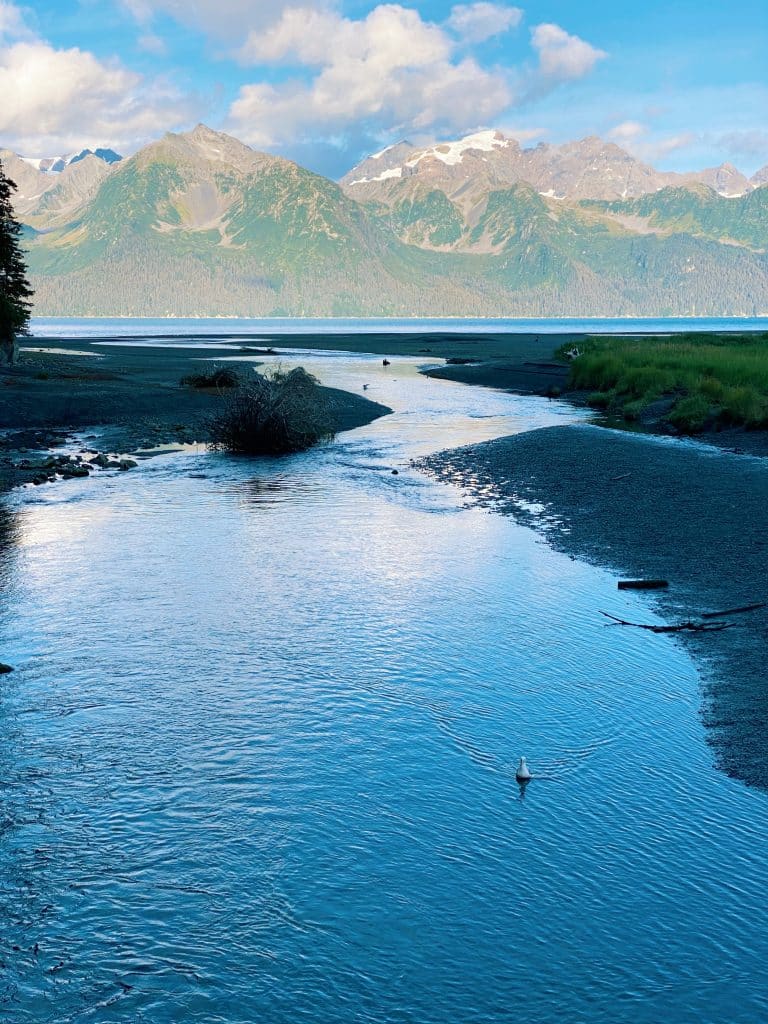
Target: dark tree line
(15,292)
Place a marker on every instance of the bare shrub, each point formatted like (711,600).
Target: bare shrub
(273,414)
(219,377)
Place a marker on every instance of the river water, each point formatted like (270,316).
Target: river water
(257,759)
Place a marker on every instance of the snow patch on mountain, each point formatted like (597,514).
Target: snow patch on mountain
(56,164)
(393,172)
(453,152)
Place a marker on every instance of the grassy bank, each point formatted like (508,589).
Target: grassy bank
(704,381)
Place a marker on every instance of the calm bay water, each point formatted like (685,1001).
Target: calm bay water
(66,327)
(258,753)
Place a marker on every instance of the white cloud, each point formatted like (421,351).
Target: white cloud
(149,42)
(563,57)
(12,23)
(480,21)
(660,148)
(643,142)
(227,20)
(390,37)
(389,71)
(627,132)
(56,100)
(523,135)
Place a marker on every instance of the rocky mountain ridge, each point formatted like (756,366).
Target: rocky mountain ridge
(590,168)
(198,223)
(56,164)
(51,190)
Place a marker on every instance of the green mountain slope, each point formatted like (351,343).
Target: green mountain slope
(198,224)
(700,211)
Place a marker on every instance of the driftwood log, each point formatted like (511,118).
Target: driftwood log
(643,584)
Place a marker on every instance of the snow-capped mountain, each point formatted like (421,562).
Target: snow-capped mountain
(56,164)
(50,190)
(590,168)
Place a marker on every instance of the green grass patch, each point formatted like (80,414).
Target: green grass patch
(722,378)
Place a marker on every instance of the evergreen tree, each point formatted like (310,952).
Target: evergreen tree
(15,293)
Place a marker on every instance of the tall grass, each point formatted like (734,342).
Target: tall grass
(717,379)
(273,414)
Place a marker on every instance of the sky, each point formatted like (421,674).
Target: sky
(680,84)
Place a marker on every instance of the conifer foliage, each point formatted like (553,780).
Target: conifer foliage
(15,292)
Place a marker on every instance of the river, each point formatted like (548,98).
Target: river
(258,752)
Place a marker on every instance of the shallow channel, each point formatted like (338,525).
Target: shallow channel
(257,758)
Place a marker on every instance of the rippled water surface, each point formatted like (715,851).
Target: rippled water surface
(257,758)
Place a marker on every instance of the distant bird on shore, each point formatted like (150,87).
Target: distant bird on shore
(365,387)
(385,362)
(523,773)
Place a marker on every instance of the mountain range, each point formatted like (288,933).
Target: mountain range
(200,224)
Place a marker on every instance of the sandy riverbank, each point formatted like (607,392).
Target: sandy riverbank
(652,507)
(130,395)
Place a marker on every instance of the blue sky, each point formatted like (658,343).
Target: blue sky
(682,85)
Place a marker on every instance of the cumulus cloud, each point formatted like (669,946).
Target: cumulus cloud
(563,57)
(477,22)
(390,37)
(56,100)
(388,71)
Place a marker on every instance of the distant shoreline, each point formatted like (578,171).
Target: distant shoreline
(694,317)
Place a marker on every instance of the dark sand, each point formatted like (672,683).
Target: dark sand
(513,348)
(655,508)
(538,376)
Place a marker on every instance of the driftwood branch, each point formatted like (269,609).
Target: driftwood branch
(734,611)
(680,627)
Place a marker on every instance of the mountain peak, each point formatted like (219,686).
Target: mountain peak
(202,133)
(203,146)
(401,144)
